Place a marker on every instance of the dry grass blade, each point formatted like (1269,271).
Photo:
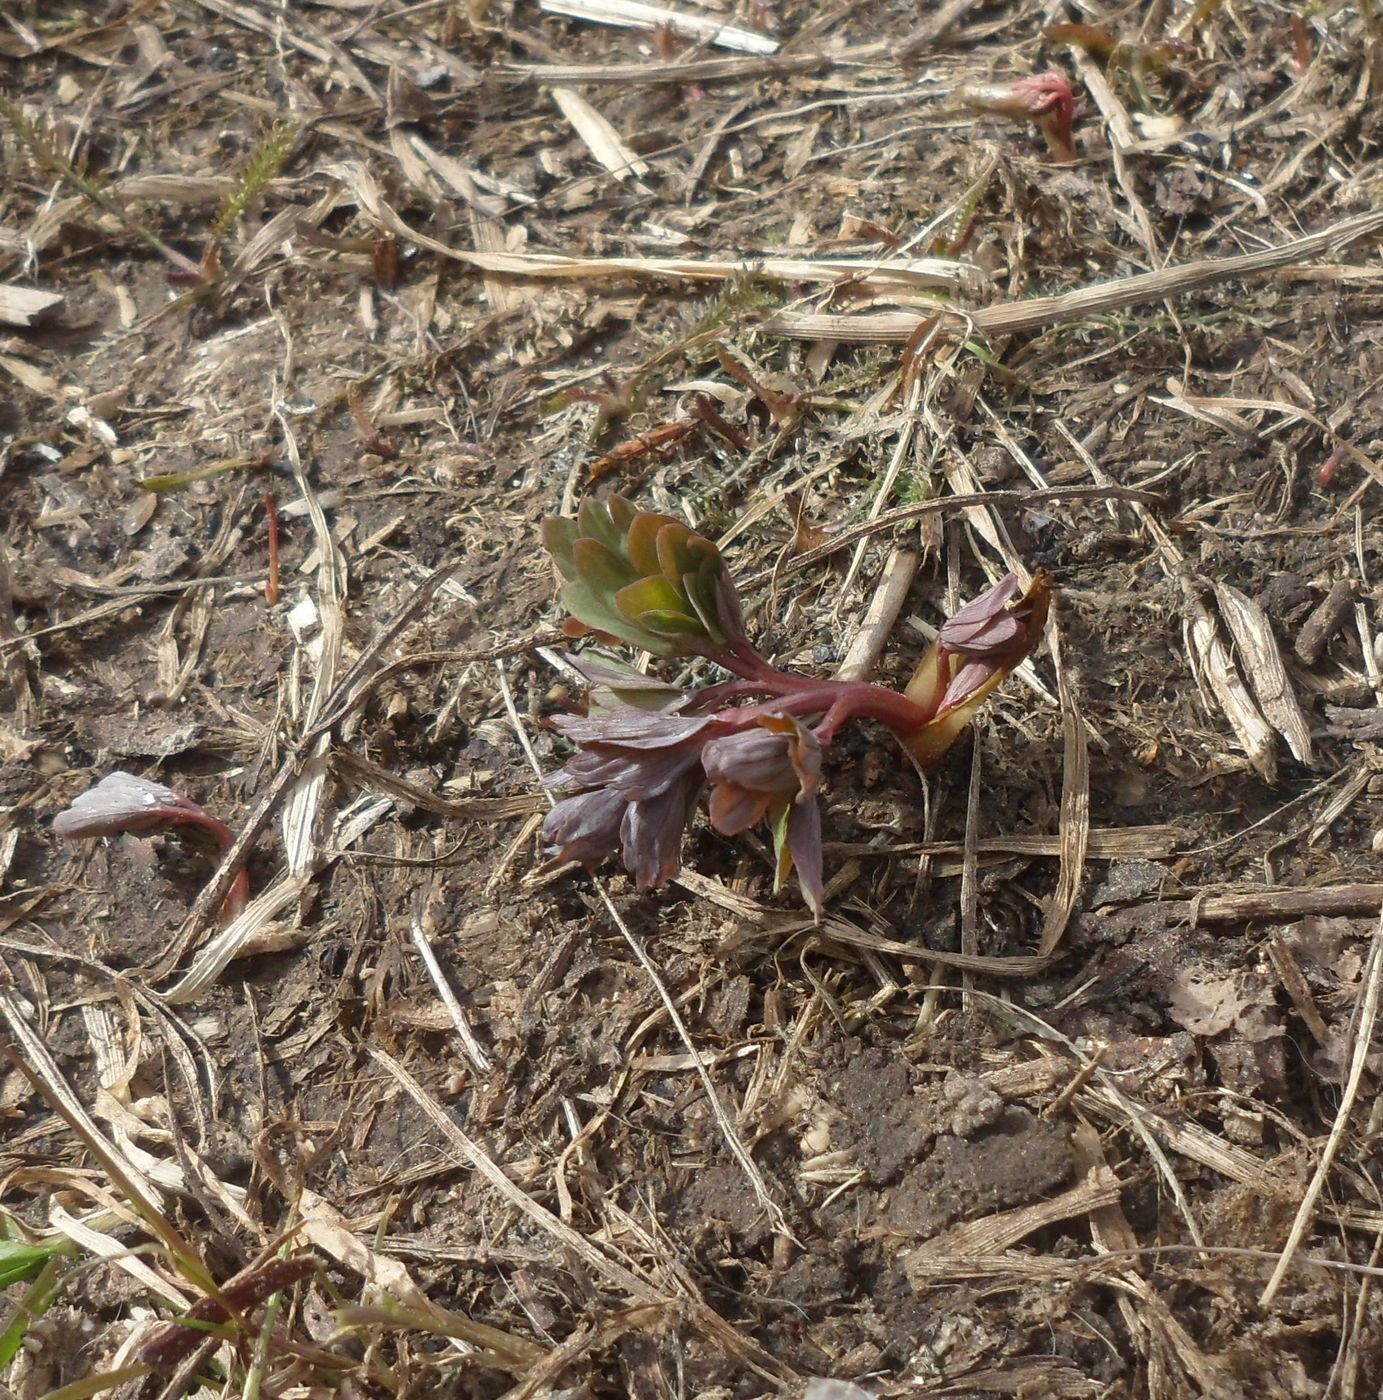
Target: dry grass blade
(1102,843)
(637,14)
(1035,313)
(699,70)
(1075,804)
(228,944)
(996,1233)
(470,1046)
(103,1246)
(865,275)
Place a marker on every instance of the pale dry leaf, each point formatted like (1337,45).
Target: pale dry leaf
(601,139)
(1214,670)
(1261,663)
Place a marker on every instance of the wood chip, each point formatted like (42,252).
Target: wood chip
(22,306)
(1325,621)
(1215,673)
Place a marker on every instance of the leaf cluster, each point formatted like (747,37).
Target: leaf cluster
(643,579)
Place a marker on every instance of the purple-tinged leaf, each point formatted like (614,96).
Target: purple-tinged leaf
(985,624)
(652,837)
(804,846)
(735,809)
(122,802)
(631,729)
(586,827)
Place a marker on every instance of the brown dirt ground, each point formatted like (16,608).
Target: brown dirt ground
(968,1183)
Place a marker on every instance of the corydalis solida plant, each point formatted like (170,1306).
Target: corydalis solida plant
(646,750)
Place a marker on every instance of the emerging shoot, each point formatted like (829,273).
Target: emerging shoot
(1045,99)
(122,803)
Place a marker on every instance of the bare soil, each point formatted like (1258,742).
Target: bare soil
(1036,1108)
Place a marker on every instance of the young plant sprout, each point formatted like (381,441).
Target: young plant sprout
(1045,99)
(646,750)
(123,803)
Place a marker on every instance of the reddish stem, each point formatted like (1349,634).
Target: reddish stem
(238,896)
(838,701)
(271,517)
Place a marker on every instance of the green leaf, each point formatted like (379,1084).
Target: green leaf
(655,595)
(593,522)
(642,541)
(703,595)
(559,535)
(601,568)
(782,856)
(20,1261)
(596,613)
(622,513)
(672,625)
(680,552)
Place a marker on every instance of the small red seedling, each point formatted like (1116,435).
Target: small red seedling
(1324,475)
(374,440)
(122,804)
(1045,99)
